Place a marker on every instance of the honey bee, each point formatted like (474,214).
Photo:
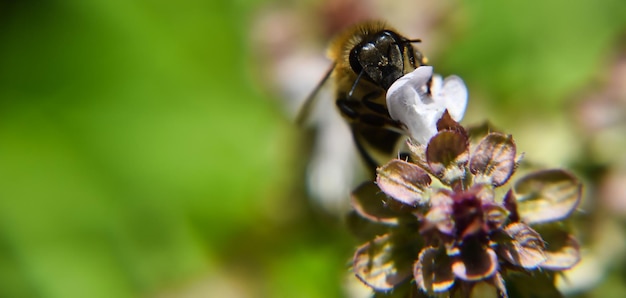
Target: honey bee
(367,59)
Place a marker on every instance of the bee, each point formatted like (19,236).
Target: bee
(367,59)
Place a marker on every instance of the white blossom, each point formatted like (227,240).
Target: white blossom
(419,99)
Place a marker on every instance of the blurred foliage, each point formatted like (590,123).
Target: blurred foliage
(137,157)
(533,53)
(134,151)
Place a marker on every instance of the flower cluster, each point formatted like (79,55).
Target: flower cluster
(450,224)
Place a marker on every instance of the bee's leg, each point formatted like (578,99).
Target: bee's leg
(355,113)
(367,112)
(380,111)
(365,155)
(370,131)
(349,108)
(377,146)
(376,107)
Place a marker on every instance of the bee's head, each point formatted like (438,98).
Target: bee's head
(380,58)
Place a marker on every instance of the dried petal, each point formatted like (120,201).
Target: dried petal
(562,251)
(525,247)
(547,196)
(475,211)
(475,262)
(417,153)
(484,193)
(440,213)
(382,264)
(467,213)
(447,123)
(447,154)
(369,202)
(403,181)
(432,271)
(565,258)
(495,216)
(498,282)
(510,203)
(493,162)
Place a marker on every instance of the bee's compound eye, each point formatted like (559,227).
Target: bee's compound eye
(386,37)
(380,58)
(355,64)
(373,61)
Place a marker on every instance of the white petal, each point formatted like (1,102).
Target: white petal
(455,97)
(409,103)
(417,78)
(436,86)
(419,99)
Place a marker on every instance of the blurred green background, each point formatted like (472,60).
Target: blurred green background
(142,156)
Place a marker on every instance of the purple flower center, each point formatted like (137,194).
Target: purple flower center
(467,213)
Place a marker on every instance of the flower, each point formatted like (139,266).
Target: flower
(452,226)
(419,99)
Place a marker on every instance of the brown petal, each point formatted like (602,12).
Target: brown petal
(369,202)
(493,161)
(475,262)
(484,193)
(382,263)
(547,196)
(447,123)
(562,251)
(417,152)
(498,282)
(564,258)
(495,216)
(403,181)
(440,213)
(447,154)
(510,203)
(525,247)
(432,271)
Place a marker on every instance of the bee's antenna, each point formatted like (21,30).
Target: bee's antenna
(356,82)
(405,41)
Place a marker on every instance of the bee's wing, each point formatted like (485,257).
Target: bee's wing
(305,110)
(332,167)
